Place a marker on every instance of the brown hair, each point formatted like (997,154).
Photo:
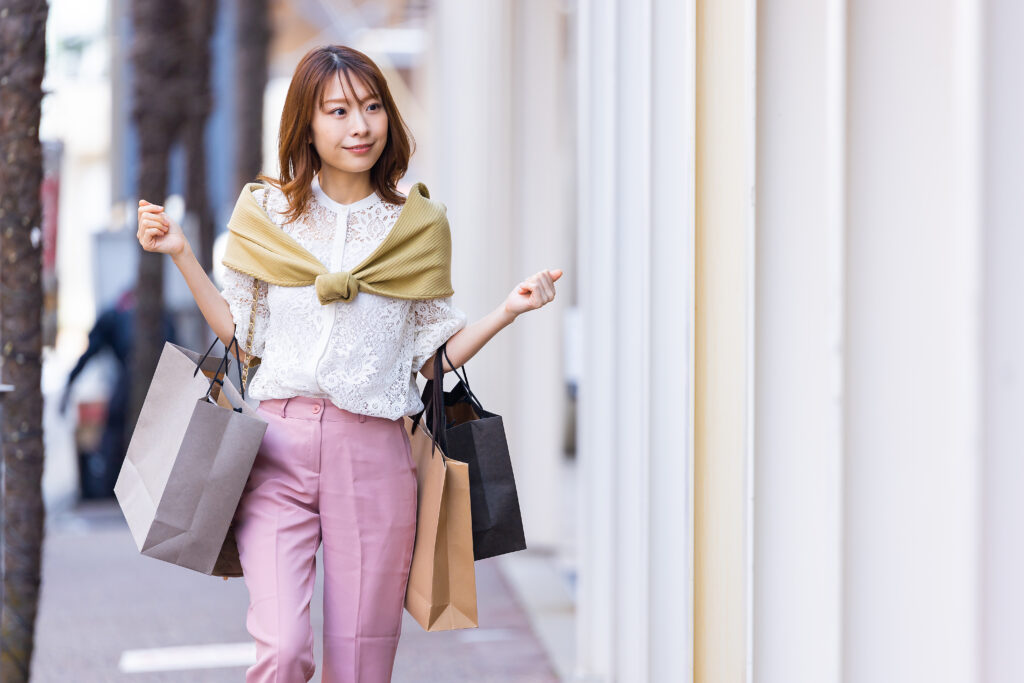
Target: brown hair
(299,161)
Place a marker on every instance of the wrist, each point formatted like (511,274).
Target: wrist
(182,255)
(507,317)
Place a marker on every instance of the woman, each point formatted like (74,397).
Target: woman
(340,343)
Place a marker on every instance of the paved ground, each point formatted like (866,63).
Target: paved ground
(100,598)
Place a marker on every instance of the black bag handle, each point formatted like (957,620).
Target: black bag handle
(438,422)
(224,363)
(433,413)
(464,377)
(433,399)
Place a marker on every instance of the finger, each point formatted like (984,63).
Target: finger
(152,234)
(151,224)
(149,212)
(157,221)
(547,287)
(555,273)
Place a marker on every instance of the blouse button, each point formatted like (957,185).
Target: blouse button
(316,409)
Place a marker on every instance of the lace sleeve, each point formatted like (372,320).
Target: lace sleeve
(436,321)
(238,293)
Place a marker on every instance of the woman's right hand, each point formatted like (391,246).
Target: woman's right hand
(157,232)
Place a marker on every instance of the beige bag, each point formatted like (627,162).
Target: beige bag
(441,594)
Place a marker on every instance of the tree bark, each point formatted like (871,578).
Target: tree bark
(160,95)
(200,29)
(22,62)
(253,41)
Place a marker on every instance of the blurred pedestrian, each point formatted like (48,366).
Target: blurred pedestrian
(113,330)
(342,287)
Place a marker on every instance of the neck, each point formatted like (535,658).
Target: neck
(344,187)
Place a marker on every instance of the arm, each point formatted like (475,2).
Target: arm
(465,343)
(528,295)
(212,305)
(158,233)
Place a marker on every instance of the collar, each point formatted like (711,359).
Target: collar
(338,207)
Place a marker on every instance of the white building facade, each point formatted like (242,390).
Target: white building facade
(794,233)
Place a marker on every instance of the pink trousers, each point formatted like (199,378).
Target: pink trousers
(323,473)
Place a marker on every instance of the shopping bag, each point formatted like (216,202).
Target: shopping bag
(188,461)
(476,437)
(441,592)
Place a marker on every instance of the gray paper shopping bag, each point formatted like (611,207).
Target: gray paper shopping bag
(189,458)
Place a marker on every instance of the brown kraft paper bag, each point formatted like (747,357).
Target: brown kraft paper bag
(441,594)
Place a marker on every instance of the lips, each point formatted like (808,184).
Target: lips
(359,148)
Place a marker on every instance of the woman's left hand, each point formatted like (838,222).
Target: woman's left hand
(533,292)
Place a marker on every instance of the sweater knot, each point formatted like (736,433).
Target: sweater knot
(339,286)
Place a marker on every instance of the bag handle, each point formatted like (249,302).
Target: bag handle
(433,414)
(225,363)
(438,421)
(464,377)
(433,399)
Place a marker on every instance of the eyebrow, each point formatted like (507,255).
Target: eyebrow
(371,96)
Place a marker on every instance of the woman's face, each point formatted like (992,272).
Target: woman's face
(350,129)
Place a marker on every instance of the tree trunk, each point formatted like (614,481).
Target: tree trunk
(200,28)
(160,95)
(22,62)
(253,41)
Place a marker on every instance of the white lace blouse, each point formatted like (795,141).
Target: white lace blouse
(363,354)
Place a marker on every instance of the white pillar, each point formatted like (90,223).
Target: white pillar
(911,419)
(636,226)
(724,363)
(1002,554)
(798,498)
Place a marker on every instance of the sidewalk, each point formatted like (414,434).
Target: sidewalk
(106,612)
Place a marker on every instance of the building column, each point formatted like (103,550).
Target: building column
(1002,344)
(723,423)
(798,501)
(911,410)
(635,139)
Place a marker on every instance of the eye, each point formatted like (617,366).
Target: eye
(375,104)
(338,109)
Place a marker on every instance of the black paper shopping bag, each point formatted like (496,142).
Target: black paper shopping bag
(476,437)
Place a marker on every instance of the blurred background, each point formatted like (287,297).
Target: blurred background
(771,428)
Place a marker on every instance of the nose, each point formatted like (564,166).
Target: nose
(359,125)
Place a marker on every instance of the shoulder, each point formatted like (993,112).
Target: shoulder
(272,199)
(419,196)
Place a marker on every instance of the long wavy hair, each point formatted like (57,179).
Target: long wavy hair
(298,158)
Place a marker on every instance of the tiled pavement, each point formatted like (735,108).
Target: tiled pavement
(100,597)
